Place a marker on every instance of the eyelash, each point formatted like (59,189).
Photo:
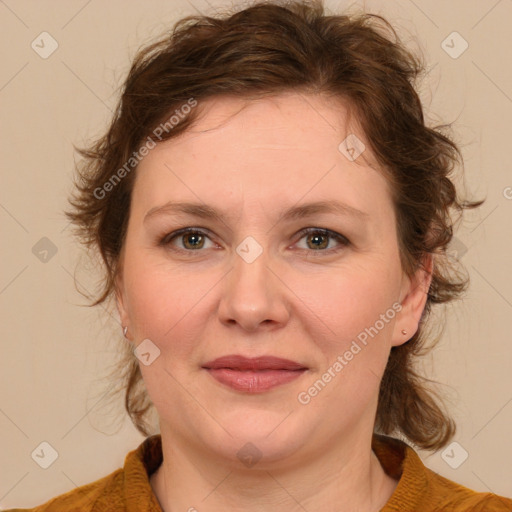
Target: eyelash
(344,242)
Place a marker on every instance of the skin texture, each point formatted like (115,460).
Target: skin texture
(254,159)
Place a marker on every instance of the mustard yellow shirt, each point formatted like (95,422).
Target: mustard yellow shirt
(419,489)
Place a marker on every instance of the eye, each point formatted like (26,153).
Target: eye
(191,238)
(319,239)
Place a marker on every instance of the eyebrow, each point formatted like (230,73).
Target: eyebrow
(296,212)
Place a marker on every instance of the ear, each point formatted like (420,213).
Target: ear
(414,293)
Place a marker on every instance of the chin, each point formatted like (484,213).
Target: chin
(259,436)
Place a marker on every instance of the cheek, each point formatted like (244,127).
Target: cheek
(343,302)
(355,314)
(166,305)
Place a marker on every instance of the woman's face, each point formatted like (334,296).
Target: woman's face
(253,284)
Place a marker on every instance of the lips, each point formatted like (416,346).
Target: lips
(253,375)
(241,363)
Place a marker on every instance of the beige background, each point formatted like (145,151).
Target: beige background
(55,352)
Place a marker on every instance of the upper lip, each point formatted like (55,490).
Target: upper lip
(237,362)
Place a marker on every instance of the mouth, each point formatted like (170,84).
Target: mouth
(254,375)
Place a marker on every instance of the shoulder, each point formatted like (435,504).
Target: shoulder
(84,498)
(453,496)
(420,489)
(127,488)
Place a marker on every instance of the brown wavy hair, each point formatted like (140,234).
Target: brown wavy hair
(265,49)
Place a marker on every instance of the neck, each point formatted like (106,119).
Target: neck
(347,474)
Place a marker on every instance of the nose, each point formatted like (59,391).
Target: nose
(254,297)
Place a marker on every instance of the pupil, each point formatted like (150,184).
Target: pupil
(316,237)
(193,236)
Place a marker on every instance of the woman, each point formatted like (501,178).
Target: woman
(273,215)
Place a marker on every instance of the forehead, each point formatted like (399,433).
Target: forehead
(298,122)
(277,148)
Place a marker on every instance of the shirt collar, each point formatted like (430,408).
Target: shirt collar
(397,458)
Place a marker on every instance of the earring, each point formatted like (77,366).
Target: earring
(125,330)
(404,332)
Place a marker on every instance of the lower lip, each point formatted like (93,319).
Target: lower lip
(254,381)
